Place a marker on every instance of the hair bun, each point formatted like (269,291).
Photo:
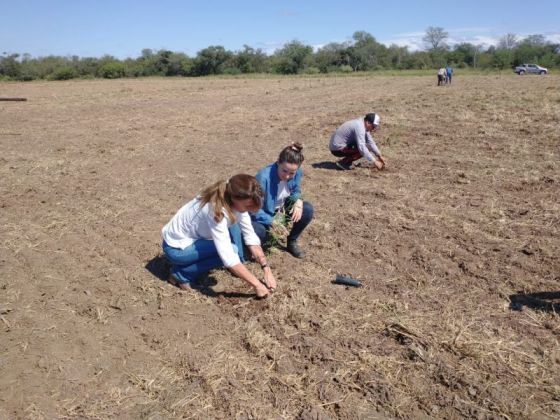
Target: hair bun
(297,146)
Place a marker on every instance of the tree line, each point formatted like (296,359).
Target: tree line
(362,53)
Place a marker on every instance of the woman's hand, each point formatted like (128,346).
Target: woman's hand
(242,272)
(269,279)
(258,255)
(297,211)
(261,291)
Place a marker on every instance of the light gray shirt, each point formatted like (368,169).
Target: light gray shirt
(353,133)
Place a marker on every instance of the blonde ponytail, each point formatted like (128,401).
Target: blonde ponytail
(222,193)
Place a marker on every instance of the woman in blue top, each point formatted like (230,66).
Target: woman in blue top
(281,185)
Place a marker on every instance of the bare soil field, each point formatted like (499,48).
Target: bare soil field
(457,244)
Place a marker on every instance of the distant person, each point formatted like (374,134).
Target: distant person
(206,234)
(353,140)
(281,185)
(449,73)
(441,76)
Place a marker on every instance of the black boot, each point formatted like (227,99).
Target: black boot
(295,250)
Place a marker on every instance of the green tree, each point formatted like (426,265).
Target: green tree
(161,62)
(435,40)
(179,64)
(291,59)
(502,58)
(146,53)
(112,70)
(146,64)
(533,49)
(526,53)
(87,66)
(10,66)
(332,56)
(28,68)
(463,53)
(49,65)
(210,60)
(396,57)
(366,53)
(133,67)
(419,60)
(249,60)
(63,73)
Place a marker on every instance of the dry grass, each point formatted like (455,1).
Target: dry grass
(465,216)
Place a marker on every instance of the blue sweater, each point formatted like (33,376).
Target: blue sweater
(269,180)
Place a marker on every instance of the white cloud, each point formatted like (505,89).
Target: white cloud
(555,38)
(317,47)
(269,47)
(485,41)
(476,36)
(474,29)
(484,36)
(412,41)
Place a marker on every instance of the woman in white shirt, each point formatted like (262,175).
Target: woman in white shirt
(206,234)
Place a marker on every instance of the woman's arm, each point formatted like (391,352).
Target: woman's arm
(230,258)
(258,255)
(254,244)
(297,208)
(239,270)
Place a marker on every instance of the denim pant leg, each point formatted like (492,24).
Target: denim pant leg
(237,240)
(261,231)
(306,217)
(195,260)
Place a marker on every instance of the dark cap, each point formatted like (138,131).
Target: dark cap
(372,118)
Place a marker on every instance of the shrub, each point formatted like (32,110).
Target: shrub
(345,69)
(64,73)
(26,77)
(234,71)
(112,70)
(134,70)
(312,70)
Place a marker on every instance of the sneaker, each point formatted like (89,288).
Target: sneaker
(343,166)
(294,249)
(181,285)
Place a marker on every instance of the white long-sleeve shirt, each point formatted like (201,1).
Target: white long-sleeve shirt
(354,132)
(192,222)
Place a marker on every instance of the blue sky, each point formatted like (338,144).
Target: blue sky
(124,27)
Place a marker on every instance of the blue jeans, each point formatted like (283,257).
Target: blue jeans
(306,217)
(200,257)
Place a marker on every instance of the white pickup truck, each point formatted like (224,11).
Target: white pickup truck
(530,68)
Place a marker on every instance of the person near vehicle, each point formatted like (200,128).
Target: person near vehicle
(449,73)
(206,234)
(441,76)
(281,185)
(353,140)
